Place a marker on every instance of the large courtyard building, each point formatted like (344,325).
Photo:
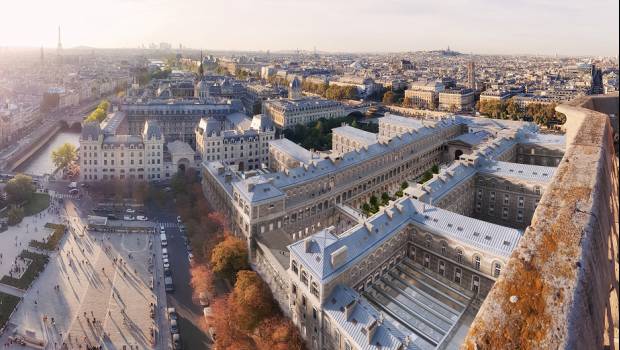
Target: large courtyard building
(235,140)
(296,109)
(177,118)
(458,99)
(107,156)
(424,94)
(413,274)
(286,113)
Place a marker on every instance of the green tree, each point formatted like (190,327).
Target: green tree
(366,208)
(229,256)
(15,215)
(374,201)
(404,185)
(64,155)
(435,169)
(385,198)
(20,189)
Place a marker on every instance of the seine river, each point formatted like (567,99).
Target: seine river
(41,162)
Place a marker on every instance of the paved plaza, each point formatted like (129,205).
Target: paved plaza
(95,291)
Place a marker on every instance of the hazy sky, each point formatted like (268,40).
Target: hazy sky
(572,27)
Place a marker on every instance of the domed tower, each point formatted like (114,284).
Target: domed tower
(294,89)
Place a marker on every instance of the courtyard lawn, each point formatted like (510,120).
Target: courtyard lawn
(32,272)
(38,203)
(7,305)
(51,243)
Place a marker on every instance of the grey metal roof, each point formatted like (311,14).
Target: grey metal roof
(516,170)
(292,149)
(386,336)
(365,137)
(362,238)
(90,130)
(122,140)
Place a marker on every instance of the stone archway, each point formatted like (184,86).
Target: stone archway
(182,165)
(457,154)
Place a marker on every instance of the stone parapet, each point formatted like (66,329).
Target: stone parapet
(559,289)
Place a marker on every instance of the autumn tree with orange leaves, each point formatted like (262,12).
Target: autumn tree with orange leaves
(229,256)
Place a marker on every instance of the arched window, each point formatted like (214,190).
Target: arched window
(477,262)
(497,269)
(444,248)
(304,277)
(459,255)
(429,241)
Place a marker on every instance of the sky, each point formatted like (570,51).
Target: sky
(564,27)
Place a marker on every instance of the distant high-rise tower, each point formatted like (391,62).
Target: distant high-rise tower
(42,56)
(471,75)
(596,85)
(59,47)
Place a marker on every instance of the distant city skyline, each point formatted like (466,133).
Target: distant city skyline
(469,26)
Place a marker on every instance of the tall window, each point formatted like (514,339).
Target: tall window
(294,267)
(475,284)
(427,260)
(429,241)
(304,277)
(457,275)
(444,248)
(442,268)
(459,255)
(497,269)
(477,262)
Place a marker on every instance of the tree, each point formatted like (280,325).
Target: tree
(388,98)
(201,279)
(404,185)
(278,333)
(15,215)
(385,198)
(251,301)
(229,256)
(229,337)
(435,169)
(19,189)
(374,201)
(64,155)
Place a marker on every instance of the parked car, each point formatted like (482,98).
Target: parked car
(172,313)
(166,264)
(130,210)
(128,218)
(164,253)
(203,300)
(190,257)
(174,328)
(141,218)
(179,219)
(167,272)
(74,191)
(176,342)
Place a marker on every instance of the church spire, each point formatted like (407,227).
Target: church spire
(201,70)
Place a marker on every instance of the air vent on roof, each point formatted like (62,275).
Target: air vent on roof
(488,238)
(506,243)
(449,225)
(435,220)
(476,234)
(535,173)
(459,228)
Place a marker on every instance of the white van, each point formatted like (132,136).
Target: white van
(164,241)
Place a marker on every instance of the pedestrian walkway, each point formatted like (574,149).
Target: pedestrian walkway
(4,288)
(95,291)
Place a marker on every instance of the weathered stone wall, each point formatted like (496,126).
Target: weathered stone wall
(560,287)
